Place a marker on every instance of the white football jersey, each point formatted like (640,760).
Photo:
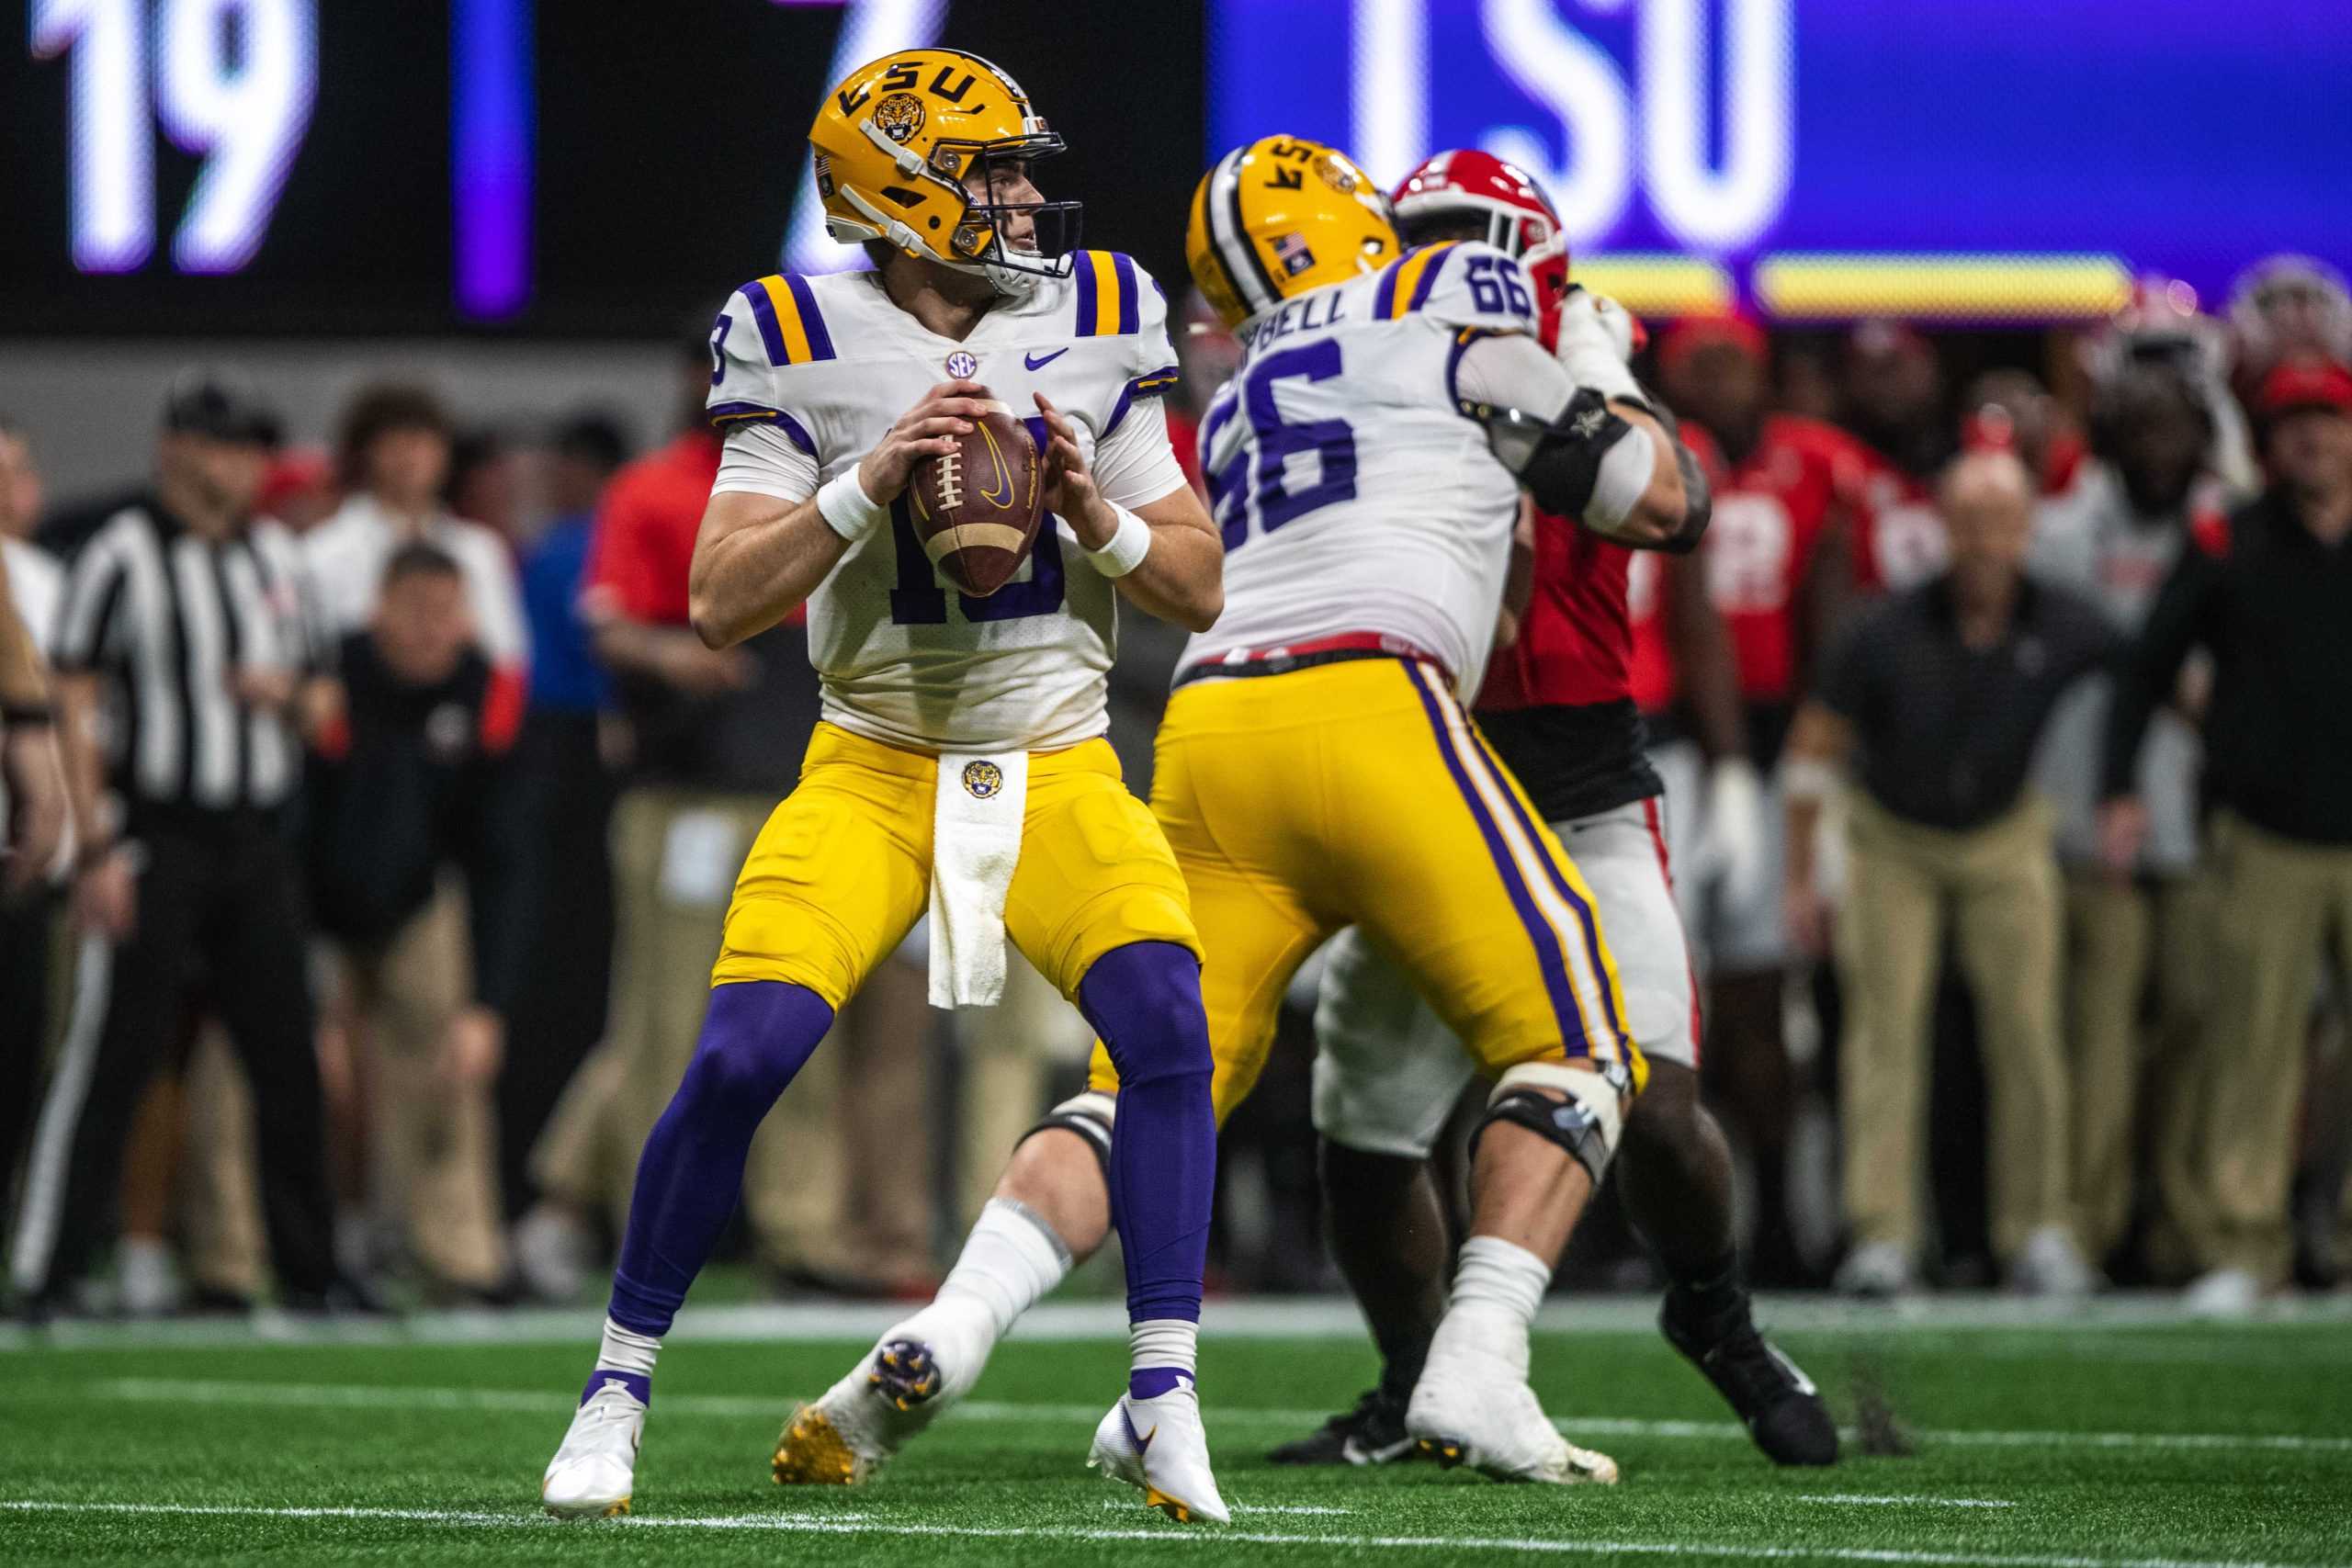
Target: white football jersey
(1351,494)
(903,657)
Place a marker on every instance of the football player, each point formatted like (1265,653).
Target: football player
(962,755)
(1558,708)
(1792,495)
(1317,768)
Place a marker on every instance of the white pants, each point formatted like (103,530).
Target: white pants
(1388,1072)
(1747,934)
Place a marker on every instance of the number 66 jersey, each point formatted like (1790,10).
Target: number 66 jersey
(822,366)
(1352,492)
(1316,768)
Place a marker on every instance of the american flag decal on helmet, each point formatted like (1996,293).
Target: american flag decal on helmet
(1292,251)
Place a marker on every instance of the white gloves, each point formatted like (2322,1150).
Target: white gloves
(1596,340)
(1736,826)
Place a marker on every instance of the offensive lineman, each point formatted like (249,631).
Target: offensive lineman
(1557,707)
(983,713)
(1316,768)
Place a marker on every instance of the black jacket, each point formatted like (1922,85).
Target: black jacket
(2274,606)
(411,784)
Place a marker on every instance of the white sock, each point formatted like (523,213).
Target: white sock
(1497,1285)
(1011,1259)
(625,1350)
(1162,1345)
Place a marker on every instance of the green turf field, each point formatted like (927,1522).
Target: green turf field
(2132,1440)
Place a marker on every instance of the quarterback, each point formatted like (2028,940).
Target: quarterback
(961,762)
(1317,768)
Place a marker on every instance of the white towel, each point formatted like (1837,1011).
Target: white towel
(974,844)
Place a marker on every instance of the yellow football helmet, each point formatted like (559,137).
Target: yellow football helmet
(896,143)
(1280,217)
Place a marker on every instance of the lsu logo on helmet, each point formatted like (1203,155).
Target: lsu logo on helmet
(901,145)
(1280,217)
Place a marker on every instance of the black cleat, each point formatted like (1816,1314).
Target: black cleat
(1373,1433)
(1781,1409)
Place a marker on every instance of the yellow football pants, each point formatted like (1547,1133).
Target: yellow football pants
(1361,793)
(842,869)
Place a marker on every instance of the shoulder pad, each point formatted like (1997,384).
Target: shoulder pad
(783,308)
(766,327)
(1115,297)
(1458,282)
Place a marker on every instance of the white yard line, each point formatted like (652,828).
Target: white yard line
(1287,1318)
(1913,1500)
(1211,1537)
(225,1391)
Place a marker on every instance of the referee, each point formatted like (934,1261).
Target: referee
(183,636)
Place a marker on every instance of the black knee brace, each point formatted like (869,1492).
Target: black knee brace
(1088,1115)
(1564,1122)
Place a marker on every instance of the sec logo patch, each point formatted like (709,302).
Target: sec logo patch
(983,779)
(962,366)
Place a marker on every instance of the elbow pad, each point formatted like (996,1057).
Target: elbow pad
(1588,462)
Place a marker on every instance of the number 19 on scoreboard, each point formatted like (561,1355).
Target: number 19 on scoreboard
(231,81)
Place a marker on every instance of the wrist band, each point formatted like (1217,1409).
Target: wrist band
(847,509)
(1129,544)
(26,716)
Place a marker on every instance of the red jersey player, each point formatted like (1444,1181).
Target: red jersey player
(1557,707)
(1789,494)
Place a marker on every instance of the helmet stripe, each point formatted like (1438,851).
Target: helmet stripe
(1225,204)
(1205,199)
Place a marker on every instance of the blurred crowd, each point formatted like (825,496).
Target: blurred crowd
(2007,714)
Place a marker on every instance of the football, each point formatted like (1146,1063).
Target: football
(977,509)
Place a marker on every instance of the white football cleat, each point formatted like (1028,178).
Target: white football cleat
(1160,1447)
(1474,1410)
(591,1474)
(860,1424)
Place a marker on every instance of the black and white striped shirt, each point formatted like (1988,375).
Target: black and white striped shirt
(170,618)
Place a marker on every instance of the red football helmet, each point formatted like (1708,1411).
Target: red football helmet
(1468,181)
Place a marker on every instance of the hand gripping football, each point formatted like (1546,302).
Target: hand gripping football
(977,509)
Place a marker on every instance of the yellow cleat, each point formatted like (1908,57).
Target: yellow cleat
(811,1451)
(1153,1497)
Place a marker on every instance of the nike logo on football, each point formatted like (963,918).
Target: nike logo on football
(1039,361)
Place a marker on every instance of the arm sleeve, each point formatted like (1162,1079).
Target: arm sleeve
(1133,463)
(760,459)
(87,628)
(2147,670)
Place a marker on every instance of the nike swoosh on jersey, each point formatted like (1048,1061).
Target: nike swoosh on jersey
(1039,361)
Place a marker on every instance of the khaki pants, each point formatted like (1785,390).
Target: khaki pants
(2277,904)
(432,1147)
(2120,938)
(674,857)
(220,1195)
(1009,1053)
(1997,888)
